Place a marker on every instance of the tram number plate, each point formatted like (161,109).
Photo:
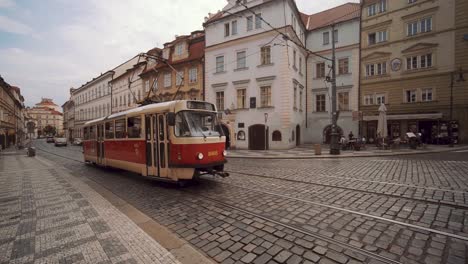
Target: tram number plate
(212,153)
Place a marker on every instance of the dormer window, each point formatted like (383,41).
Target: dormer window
(227,30)
(179,49)
(234,27)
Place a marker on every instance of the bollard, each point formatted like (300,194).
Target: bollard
(31,152)
(318,149)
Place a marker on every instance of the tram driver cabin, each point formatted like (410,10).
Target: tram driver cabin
(175,141)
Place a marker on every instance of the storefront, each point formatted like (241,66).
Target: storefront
(433,129)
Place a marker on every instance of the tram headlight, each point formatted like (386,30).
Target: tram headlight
(200,156)
(224,153)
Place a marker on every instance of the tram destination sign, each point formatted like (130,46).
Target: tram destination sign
(200,105)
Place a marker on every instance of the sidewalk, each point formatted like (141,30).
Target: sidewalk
(306,151)
(50,216)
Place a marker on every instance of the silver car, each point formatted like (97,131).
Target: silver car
(60,142)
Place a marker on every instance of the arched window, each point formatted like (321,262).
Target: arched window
(276,135)
(241,135)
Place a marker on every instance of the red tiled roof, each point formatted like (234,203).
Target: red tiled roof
(337,14)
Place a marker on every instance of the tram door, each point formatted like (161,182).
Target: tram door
(100,144)
(156,145)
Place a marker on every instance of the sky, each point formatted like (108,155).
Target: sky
(49,46)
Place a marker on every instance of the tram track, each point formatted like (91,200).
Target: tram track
(366,253)
(422,228)
(437,202)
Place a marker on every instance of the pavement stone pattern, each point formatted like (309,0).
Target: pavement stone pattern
(50,217)
(232,236)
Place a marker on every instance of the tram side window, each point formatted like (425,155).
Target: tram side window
(134,127)
(120,128)
(92,133)
(85,133)
(110,130)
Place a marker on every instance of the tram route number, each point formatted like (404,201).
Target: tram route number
(212,153)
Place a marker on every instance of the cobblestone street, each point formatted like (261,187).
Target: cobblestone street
(409,209)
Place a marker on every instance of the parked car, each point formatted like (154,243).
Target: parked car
(77,142)
(50,140)
(60,141)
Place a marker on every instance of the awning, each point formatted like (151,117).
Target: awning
(433,116)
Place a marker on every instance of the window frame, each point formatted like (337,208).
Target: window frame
(241,95)
(326,38)
(265,96)
(220,64)
(124,125)
(240,59)
(265,55)
(131,135)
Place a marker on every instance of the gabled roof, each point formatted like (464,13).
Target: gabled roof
(335,15)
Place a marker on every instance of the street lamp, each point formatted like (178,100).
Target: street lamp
(452,80)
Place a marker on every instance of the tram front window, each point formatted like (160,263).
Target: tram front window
(196,124)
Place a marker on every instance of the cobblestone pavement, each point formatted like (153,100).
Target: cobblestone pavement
(368,210)
(47,216)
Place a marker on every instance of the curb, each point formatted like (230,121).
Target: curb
(349,156)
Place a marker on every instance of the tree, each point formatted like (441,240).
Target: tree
(50,130)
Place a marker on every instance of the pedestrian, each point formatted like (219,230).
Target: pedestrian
(350,135)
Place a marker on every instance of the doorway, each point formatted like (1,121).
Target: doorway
(228,136)
(257,137)
(298,135)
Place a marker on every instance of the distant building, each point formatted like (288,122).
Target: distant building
(410,49)
(319,40)
(69,117)
(46,113)
(186,55)
(92,100)
(256,78)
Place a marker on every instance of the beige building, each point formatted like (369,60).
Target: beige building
(407,61)
(69,117)
(46,113)
(12,115)
(186,55)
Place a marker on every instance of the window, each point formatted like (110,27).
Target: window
(134,127)
(412,28)
(295,96)
(193,75)
(220,101)
(179,49)
(343,101)
(335,35)
(379,7)
(320,103)
(410,96)
(276,136)
(300,99)
(241,60)
(426,61)
(326,38)
(368,99)
(265,55)
(376,69)
(417,62)
(109,130)
(180,78)
(426,25)
(147,85)
(300,64)
(258,21)
(372,10)
(381,36)
(294,59)
(226,30)
(320,70)
(343,66)
(220,64)
(167,80)
(265,96)
(241,98)
(120,128)
(234,27)
(426,95)
(371,40)
(249,23)
(377,37)
(380,99)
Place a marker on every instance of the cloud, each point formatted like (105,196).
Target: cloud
(6,3)
(12,26)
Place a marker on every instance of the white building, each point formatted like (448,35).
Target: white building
(319,40)
(125,96)
(251,71)
(45,114)
(92,100)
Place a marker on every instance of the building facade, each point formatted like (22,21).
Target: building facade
(12,115)
(255,77)
(92,100)
(408,60)
(46,114)
(345,19)
(69,118)
(186,55)
(127,85)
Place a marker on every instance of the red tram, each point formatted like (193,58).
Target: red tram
(175,141)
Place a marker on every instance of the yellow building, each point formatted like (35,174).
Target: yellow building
(409,52)
(186,55)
